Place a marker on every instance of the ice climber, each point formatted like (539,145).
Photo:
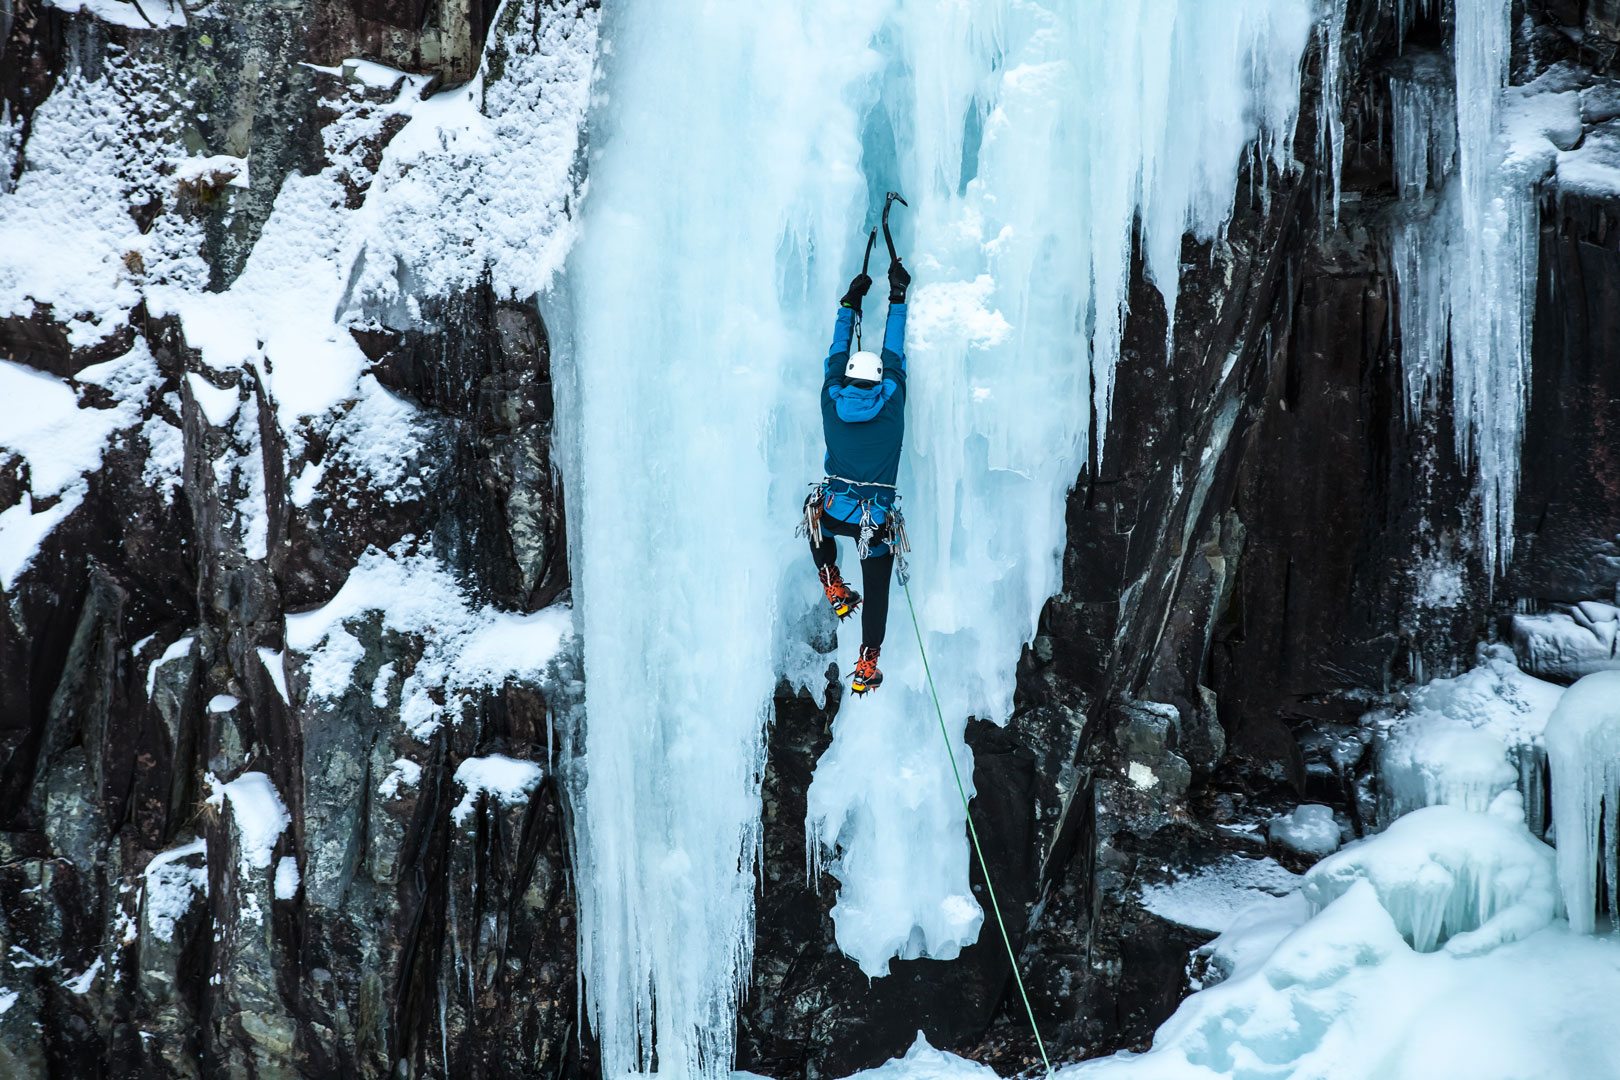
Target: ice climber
(863,417)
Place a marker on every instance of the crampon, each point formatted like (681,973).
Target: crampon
(867,676)
(844,600)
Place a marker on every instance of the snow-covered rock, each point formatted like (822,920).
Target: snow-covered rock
(1449,876)
(1464,740)
(1308,829)
(1566,645)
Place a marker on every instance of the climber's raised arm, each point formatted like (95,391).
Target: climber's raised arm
(849,309)
(894,329)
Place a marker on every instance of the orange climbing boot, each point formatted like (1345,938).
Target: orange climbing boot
(867,675)
(844,600)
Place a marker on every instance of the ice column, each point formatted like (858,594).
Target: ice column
(1470,267)
(1035,140)
(724,198)
(1583,759)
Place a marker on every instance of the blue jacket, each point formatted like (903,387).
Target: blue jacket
(864,426)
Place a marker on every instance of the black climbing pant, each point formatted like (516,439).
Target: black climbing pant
(875,574)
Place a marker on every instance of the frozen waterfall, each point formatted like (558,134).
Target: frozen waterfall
(735,158)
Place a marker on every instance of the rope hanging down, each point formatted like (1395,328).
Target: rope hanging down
(973,834)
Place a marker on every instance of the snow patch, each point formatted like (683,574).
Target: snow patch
(286,878)
(1308,829)
(923,1062)
(507,780)
(95,149)
(403,773)
(22,531)
(465,647)
(481,176)
(181,646)
(1213,897)
(147,15)
(81,984)
(260,817)
(217,405)
(42,422)
(275,667)
(171,887)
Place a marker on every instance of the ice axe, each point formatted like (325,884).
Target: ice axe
(866,263)
(888,238)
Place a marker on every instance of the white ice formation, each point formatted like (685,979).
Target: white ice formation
(1034,140)
(1583,756)
(1463,741)
(1452,877)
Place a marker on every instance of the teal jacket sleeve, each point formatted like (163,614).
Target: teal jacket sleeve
(843,331)
(894,339)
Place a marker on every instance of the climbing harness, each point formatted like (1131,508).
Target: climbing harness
(973,834)
(820,498)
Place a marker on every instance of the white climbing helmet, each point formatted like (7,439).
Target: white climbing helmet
(865,367)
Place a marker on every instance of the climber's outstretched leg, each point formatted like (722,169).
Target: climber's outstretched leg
(844,600)
(876,572)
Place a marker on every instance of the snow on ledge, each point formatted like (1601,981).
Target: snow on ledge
(146,15)
(507,780)
(172,887)
(287,878)
(403,773)
(261,817)
(465,647)
(1212,897)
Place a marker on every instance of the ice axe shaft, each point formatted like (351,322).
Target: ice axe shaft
(866,263)
(888,238)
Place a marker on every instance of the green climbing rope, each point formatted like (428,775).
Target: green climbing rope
(973,834)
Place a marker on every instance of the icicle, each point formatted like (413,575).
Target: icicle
(1424,107)
(1466,270)
(1330,104)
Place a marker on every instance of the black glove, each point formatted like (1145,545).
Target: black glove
(857,292)
(899,282)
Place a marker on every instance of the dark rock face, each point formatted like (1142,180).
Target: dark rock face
(1567,516)
(402,923)
(1251,553)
